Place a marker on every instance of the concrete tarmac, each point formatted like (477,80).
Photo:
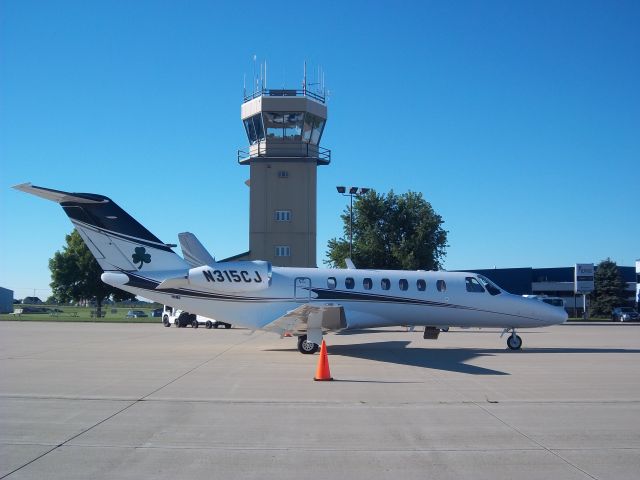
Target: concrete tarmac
(140,401)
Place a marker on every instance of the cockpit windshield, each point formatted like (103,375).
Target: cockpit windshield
(491,287)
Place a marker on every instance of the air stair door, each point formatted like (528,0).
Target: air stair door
(302,289)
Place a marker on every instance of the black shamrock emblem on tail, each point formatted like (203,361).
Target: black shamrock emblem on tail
(141,256)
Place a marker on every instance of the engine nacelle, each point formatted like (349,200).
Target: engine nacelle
(234,277)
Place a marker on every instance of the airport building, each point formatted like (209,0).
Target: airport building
(284,129)
(6,300)
(554,282)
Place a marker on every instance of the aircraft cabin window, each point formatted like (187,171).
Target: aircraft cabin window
(367,283)
(403,284)
(331,282)
(441,285)
(473,285)
(349,283)
(422,285)
(385,283)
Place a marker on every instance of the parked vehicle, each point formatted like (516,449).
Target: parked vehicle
(136,314)
(181,319)
(624,314)
(156,312)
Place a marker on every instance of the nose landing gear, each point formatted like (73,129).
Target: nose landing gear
(514,342)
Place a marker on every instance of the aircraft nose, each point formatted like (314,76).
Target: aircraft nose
(561,315)
(554,315)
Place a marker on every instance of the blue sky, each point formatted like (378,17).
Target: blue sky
(518,121)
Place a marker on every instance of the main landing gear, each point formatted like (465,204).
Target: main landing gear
(514,342)
(308,348)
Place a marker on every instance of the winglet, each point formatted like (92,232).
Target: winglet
(350,264)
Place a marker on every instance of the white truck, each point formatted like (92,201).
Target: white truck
(181,319)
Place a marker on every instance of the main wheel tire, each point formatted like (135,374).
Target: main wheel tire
(194,323)
(514,343)
(307,348)
(208,324)
(165,321)
(227,325)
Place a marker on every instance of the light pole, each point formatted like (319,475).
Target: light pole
(353,191)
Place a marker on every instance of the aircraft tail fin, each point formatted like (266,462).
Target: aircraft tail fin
(115,238)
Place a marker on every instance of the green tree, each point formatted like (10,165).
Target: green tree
(609,289)
(395,232)
(75,275)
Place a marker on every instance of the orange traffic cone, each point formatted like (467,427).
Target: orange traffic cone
(322,371)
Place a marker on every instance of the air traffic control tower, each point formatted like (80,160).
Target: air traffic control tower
(284,128)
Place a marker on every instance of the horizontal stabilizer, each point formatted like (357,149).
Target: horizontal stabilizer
(193,251)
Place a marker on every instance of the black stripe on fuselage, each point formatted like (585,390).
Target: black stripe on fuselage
(148,284)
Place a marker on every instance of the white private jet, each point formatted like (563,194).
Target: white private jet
(303,302)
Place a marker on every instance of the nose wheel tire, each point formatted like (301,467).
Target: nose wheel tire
(514,342)
(308,348)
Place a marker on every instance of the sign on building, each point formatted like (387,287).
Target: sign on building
(583,278)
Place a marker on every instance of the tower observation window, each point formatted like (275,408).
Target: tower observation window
(318,126)
(290,127)
(254,128)
(293,126)
(308,127)
(273,123)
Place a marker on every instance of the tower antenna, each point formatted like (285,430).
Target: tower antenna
(304,79)
(255,80)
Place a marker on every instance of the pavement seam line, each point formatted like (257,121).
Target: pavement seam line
(141,399)
(544,447)
(472,402)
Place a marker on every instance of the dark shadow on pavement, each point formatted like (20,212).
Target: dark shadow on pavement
(452,360)
(449,359)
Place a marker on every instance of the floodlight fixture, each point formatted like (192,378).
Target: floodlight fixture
(357,191)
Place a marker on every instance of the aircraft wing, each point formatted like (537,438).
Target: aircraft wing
(309,318)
